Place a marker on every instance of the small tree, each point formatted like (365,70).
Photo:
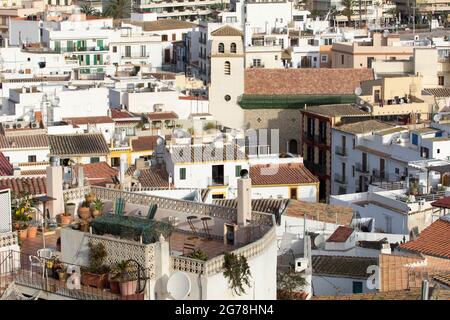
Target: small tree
(288,282)
(348,9)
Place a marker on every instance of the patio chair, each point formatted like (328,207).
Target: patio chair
(45,253)
(119,206)
(152,211)
(38,263)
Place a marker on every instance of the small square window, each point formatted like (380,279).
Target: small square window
(397,171)
(182,173)
(438,150)
(31,158)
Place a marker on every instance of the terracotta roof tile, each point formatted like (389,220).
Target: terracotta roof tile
(144,143)
(433,240)
(6,168)
(227,31)
(88,120)
(206,153)
(86,144)
(30,141)
(336,110)
(341,234)
(99,173)
(261,81)
(320,212)
(364,127)
(151,177)
(410,294)
(443,278)
(117,114)
(153,116)
(165,24)
(342,266)
(32,185)
(281,174)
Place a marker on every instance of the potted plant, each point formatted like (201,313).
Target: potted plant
(62,272)
(97,207)
(66,218)
(96,274)
(70,208)
(32,231)
(22,207)
(84,210)
(127,283)
(414,189)
(22,231)
(89,197)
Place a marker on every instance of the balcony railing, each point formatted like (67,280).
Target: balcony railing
(218,181)
(340,178)
(360,167)
(81,49)
(341,151)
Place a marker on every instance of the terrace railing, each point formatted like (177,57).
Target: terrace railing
(185,206)
(8,239)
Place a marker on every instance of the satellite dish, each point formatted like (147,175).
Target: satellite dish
(437,117)
(358,91)
(319,241)
(136,174)
(386,33)
(179,285)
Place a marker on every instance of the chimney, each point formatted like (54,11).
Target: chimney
(140,163)
(123,167)
(80,176)
(425,290)
(244,209)
(16,171)
(55,187)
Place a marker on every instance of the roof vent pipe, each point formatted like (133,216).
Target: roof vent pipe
(54,161)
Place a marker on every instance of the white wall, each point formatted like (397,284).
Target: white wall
(330,286)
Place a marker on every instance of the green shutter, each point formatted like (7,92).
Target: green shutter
(238,171)
(182,173)
(57,46)
(95,59)
(69,45)
(88,60)
(100,44)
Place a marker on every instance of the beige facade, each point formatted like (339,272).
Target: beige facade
(394,96)
(227,78)
(361,55)
(263,57)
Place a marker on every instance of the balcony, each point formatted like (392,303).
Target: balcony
(341,151)
(82,49)
(361,167)
(339,178)
(218,181)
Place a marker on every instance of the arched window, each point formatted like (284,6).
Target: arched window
(233,48)
(221,48)
(227,67)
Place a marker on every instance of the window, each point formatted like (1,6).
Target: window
(324,58)
(315,59)
(143,51)
(353,171)
(376,96)
(357,287)
(353,143)
(164,37)
(438,151)
(299,18)
(281,43)
(221,48)
(342,59)
(115,162)
(233,48)
(424,152)
(31,158)
(256,62)
(276,57)
(227,97)
(227,68)
(114,48)
(397,171)
(441,80)
(238,171)
(95,159)
(174,37)
(127,51)
(182,173)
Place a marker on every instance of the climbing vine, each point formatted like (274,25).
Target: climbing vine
(237,271)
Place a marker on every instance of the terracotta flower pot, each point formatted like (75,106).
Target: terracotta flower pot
(65,219)
(89,198)
(114,286)
(22,234)
(62,275)
(31,232)
(98,281)
(128,287)
(84,213)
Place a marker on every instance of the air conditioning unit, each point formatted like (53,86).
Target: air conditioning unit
(8,125)
(35,125)
(301,264)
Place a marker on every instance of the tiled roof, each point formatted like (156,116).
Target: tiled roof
(32,185)
(99,173)
(342,266)
(337,110)
(442,203)
(6,168)
(153,116)
(399,272)
(122,115)
(165,24)
(443,278)
(261,81)
(260,205)
(364,126)
(24,141)
(320,212)
(410,294)
(227,31)
(88,120)
(151,177)
(144,143)
(433,240)
(281,174)
(341,234)
(196,153)
(87,144)
(438,92)
(161,75)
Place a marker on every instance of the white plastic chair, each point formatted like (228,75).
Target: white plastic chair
(46,253)
(36,262)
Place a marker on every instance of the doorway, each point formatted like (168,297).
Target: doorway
(293,193)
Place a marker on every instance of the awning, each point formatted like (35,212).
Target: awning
(442,203)
(440,169)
